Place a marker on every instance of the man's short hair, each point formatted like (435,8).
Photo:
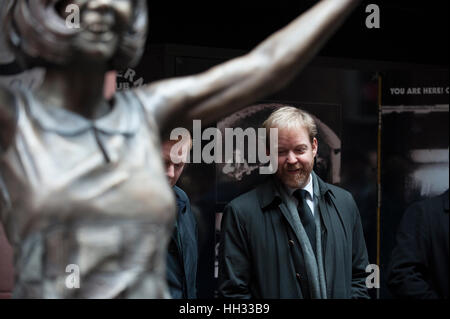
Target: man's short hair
(289,117)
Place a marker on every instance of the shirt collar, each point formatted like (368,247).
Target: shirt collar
(309,188)
(122,119)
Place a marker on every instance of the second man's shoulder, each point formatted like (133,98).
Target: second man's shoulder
(180,194)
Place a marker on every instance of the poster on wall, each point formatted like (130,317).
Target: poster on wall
(414,150)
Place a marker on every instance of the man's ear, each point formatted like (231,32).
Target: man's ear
(315,146)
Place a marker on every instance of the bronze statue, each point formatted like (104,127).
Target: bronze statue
(83,180)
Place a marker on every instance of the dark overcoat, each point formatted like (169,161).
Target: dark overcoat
(260,255)
(419,266)
(182,255)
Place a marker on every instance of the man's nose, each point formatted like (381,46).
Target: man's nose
(291,158)
(170,171)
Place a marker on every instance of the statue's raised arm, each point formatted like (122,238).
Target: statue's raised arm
(232,85)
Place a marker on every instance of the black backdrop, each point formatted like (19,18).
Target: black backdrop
(410,31)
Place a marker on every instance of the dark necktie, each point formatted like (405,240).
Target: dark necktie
(306,217)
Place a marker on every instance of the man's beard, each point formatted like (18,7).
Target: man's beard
(300,179)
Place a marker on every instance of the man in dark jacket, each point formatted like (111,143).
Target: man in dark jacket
(293,236)
(420,261)
(183,252)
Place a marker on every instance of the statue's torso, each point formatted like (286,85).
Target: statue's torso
(93,195)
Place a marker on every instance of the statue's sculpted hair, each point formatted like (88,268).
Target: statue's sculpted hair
(39,36)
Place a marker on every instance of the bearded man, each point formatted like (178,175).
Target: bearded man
(293,236)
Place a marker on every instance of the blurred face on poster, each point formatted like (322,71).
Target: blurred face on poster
(296,155)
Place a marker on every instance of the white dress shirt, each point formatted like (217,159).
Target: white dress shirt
(309,197)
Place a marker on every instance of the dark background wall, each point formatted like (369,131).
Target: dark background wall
(410,31)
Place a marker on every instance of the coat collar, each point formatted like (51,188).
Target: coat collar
(321,188)
(268,193)
(122,119)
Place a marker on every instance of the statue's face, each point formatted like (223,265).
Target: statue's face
(101,24)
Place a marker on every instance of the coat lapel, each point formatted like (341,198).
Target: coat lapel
(288,216)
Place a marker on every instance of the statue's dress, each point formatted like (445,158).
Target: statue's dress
(87,196)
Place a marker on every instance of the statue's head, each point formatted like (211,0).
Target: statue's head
(46,32)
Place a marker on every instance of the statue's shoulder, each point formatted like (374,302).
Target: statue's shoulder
(8,116)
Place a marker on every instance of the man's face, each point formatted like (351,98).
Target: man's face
(295,156)
(174,155)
